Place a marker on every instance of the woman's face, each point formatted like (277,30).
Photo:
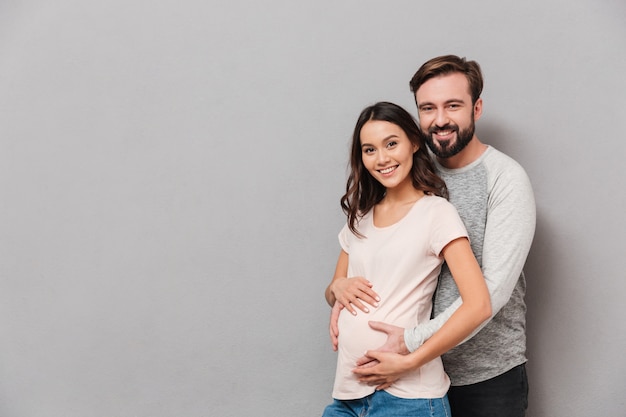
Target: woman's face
(387,153)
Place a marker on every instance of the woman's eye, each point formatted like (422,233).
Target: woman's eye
(391,144)
(368,150)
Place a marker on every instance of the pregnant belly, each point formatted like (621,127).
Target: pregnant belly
(356,336)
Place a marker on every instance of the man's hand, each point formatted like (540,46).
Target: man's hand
(395,340)
(334,328)
(386,369)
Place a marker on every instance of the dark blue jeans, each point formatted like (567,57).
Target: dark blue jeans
(503,396)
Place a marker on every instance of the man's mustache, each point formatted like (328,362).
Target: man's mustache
(438,129)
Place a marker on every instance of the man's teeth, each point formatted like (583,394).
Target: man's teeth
(444,132)
(387,170)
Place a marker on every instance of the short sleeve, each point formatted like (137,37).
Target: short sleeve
(446,227)
(344,238)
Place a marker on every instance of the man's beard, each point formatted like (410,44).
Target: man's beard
(447,149)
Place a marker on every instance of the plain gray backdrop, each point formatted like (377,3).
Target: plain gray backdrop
(170,175)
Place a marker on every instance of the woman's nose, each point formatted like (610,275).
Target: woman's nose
(383,157)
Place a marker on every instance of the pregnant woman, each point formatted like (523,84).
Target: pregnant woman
(400,229)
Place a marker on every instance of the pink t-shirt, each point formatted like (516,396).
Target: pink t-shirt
(403,262)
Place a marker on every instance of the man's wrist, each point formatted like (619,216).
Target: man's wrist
(403,349)
(407,339)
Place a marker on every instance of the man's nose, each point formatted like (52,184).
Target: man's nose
(441,118)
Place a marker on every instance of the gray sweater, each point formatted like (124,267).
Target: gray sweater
(494,197)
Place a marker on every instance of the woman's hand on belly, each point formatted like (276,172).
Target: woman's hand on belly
(354,292)
(383,369)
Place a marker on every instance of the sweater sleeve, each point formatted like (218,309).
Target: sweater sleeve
(509,232)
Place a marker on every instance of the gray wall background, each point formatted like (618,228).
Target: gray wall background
(170,174)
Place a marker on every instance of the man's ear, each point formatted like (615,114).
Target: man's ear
(478,109)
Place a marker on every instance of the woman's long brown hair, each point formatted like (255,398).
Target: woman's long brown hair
(363,192)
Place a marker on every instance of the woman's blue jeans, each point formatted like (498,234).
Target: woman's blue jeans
(383,404)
